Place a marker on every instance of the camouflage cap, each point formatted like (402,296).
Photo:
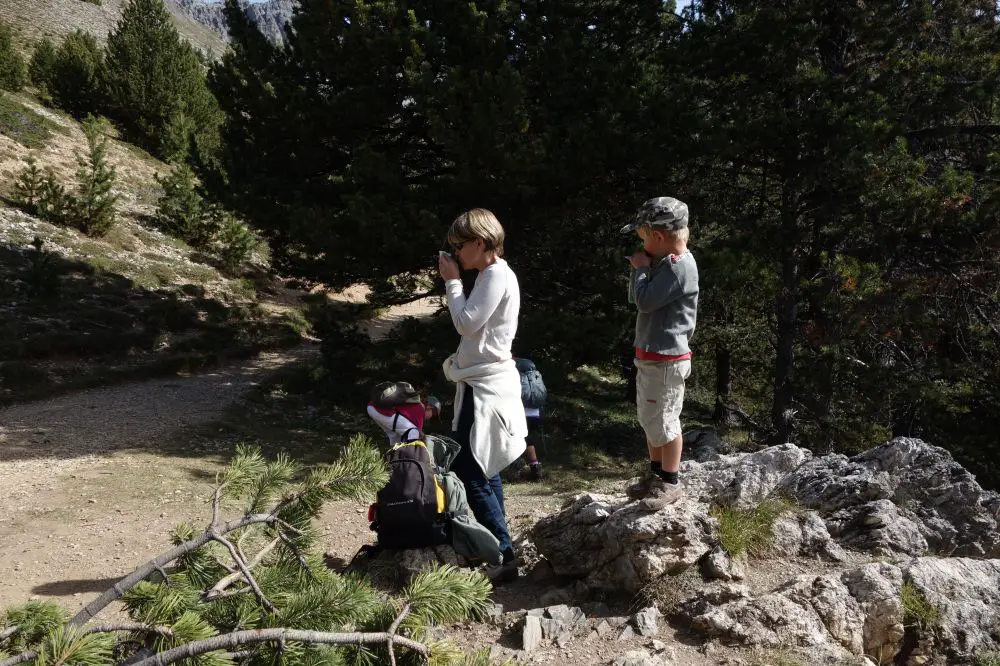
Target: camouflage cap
(667,213)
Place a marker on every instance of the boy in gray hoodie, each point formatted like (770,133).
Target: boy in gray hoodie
(664,288)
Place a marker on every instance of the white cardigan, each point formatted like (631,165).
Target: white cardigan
(499,428)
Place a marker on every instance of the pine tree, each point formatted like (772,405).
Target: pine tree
(94,206)
(835,137)
(28,186)
(155,81)
(180,211)
(75,79)
(354,148)
(13,73)
(54,203)
(251,584)
(42,63)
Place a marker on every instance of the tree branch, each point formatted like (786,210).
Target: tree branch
(236,639)
(9,631)
(245,570)
(213,594)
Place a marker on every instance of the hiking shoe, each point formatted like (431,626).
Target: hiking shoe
(639,486)
(534,473)
(503,573)
(660,495)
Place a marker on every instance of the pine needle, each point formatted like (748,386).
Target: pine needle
(446,594)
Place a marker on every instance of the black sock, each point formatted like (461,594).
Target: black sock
(656,467)
(668,477)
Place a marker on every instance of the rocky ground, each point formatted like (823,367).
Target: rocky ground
(886,557)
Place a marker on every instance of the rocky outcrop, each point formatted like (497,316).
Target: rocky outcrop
(861,612)
(612,545)
(270,16)
(905,498)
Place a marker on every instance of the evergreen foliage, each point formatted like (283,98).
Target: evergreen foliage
(181,210)
(156,83)
(13,71)
(75,78)
(282,605)
(42,63)
(28,186)
(94,208)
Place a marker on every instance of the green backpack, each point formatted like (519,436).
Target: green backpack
(468,537)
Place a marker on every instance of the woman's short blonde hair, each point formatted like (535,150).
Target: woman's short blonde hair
(480,224)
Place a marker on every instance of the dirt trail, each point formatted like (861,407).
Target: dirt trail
(86,494)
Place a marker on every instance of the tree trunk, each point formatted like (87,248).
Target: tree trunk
(723,386)
(786,310)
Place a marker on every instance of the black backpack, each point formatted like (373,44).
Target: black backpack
(533,393)
(408,511)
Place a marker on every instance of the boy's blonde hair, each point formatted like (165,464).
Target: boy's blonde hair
(480,224)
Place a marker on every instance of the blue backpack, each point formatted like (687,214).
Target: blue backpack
(533,393)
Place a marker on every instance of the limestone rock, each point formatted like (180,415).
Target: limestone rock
(628,548)
(804,534)
(746,480)
(928,488)
(719,565)
(646,621)
(531,634)
(966,593)
(854,612)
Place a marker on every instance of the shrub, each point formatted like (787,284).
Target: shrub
(75,81)
(13,72)
(42,64)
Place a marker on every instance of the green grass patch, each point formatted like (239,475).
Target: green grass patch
(24,125)
(988,659)
(748,530)
(918,612)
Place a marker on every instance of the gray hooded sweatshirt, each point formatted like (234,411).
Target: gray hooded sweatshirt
(666,295)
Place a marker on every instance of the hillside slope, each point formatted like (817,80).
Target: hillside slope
(133,303)
(34,19)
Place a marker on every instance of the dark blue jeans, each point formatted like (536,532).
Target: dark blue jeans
(485,494)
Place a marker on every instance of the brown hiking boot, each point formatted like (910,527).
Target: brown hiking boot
(660,495)
(639,486)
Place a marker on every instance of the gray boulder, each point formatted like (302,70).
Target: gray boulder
(938,498)
(627,548)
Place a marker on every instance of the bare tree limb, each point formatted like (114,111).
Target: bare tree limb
(297,552)
(219,588)
(393,628)
(89,611)
(251,581)
(237,639)
(9,631)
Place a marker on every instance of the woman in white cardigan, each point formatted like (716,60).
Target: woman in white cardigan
(489,419)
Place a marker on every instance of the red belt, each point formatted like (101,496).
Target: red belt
(644,355)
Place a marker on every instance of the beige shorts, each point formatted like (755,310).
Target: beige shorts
(659,397)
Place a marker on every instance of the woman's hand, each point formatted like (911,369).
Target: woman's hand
(448,267)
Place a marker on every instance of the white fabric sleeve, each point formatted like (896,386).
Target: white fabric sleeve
(471,314)
(403,424)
